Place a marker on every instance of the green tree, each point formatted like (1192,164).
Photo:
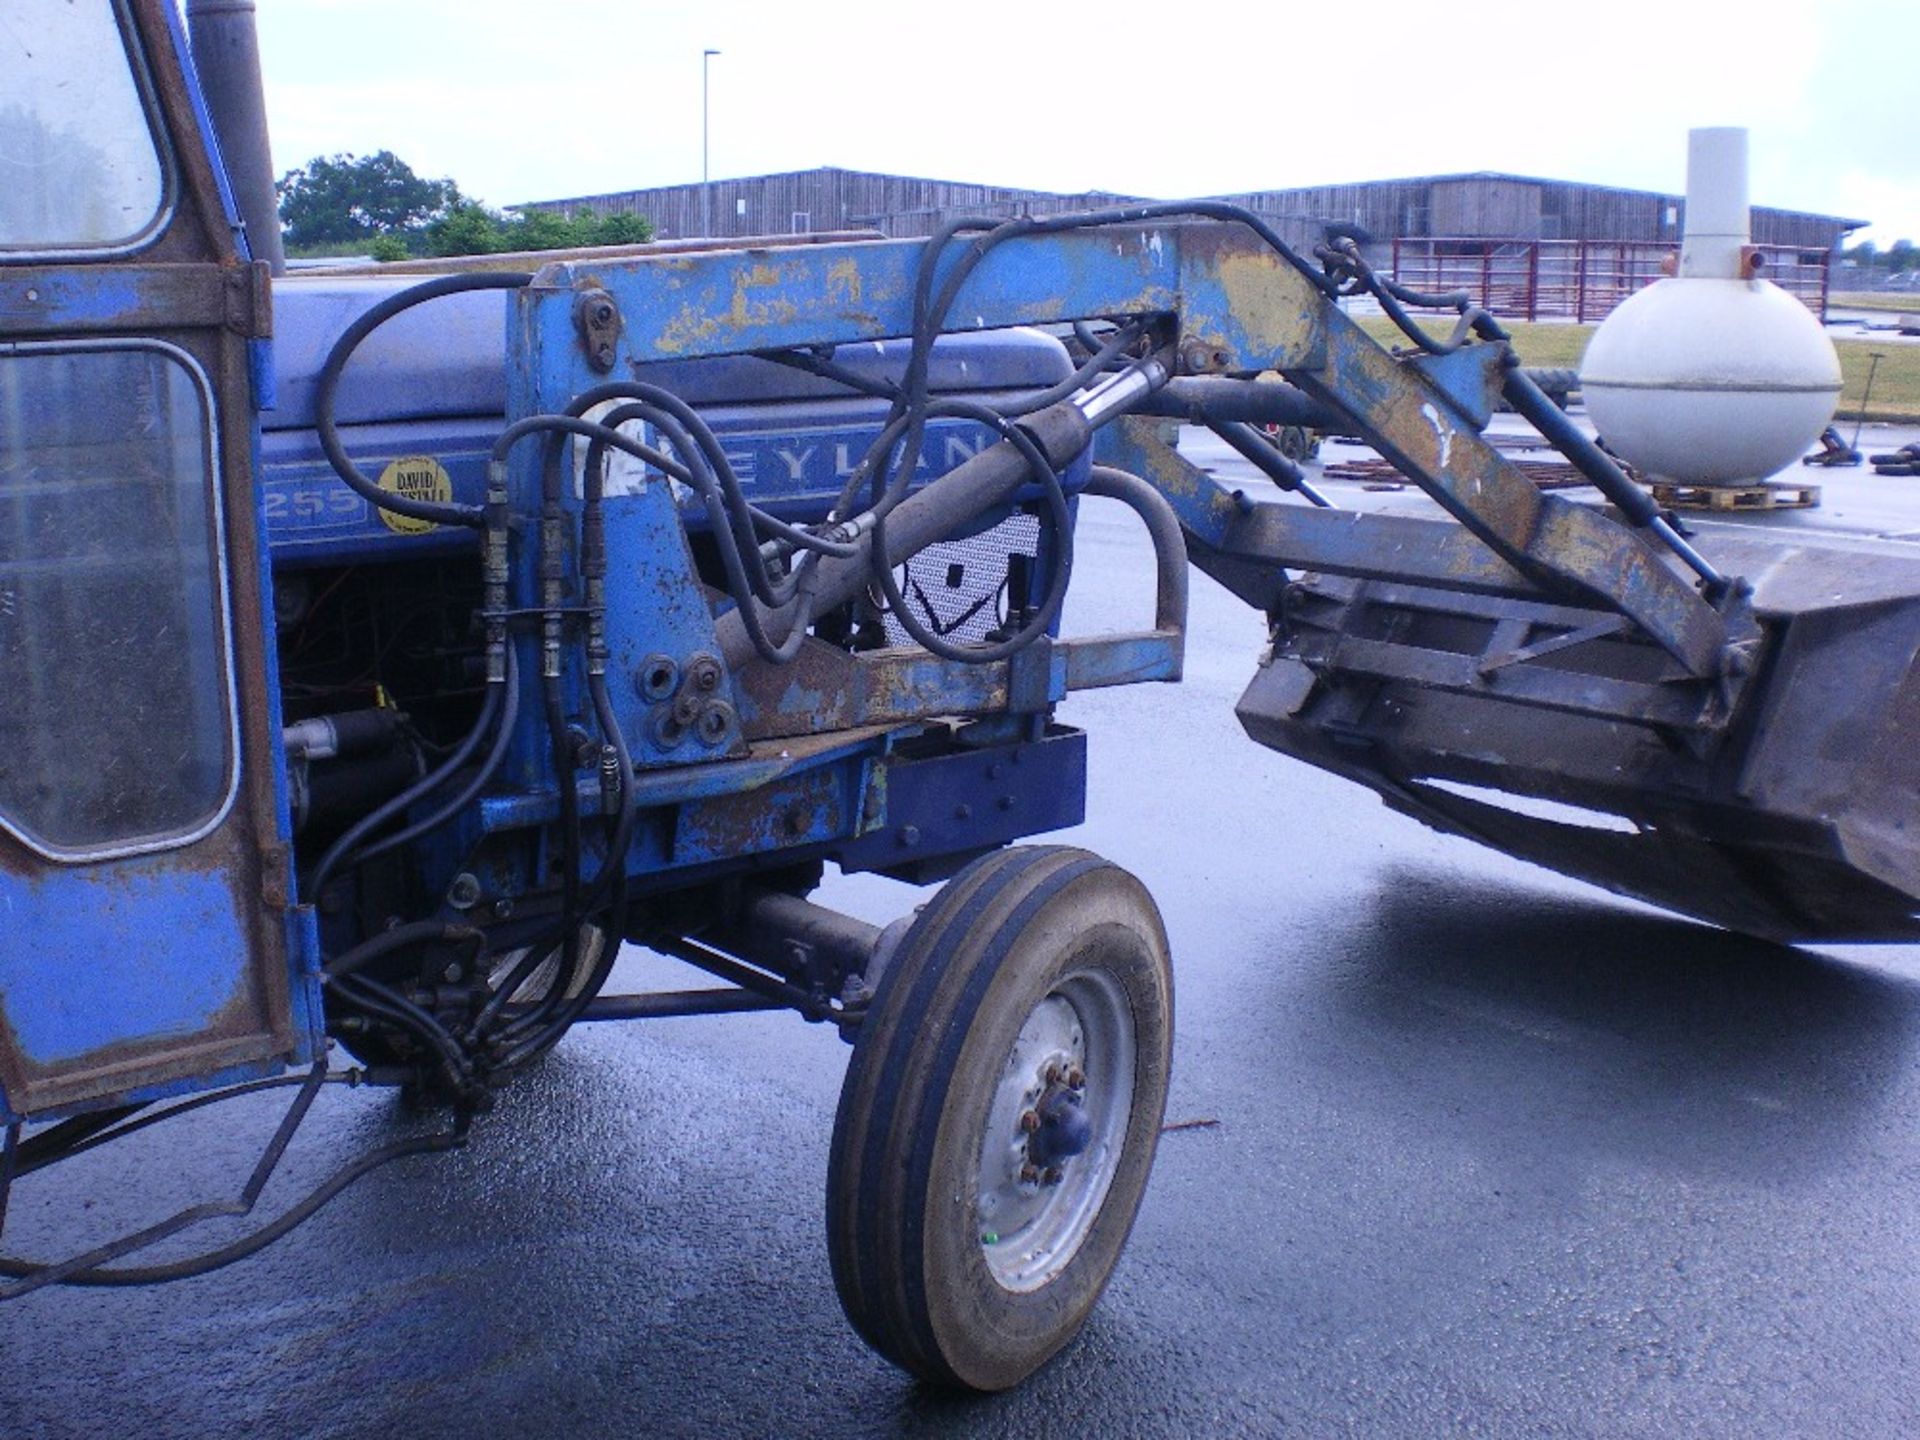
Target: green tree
(544,230)
(472,229)
(622,228)
(466,229)
(335,198)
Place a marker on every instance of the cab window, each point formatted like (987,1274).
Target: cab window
(80,170)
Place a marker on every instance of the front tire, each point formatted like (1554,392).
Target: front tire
(1000,1115)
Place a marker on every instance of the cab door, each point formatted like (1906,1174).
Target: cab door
(148,939)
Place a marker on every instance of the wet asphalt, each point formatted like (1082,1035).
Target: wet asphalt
(1487,1152)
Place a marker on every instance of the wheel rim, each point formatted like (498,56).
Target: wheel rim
(1037,1204)
(534,988)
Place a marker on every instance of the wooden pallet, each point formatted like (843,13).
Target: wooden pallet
(1735,497)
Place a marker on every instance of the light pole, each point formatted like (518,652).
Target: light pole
(706,179)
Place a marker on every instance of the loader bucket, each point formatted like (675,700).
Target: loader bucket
(1795,819)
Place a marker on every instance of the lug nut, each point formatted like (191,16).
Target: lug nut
(1029,1175)
(1030,1121)
(1052,1176)
(1076,1078)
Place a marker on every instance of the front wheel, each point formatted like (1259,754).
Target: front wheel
(1000,1115)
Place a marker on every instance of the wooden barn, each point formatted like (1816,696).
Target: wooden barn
(1480,205)
(1525,247)
(1486,205)
(1533,249)
(829,198)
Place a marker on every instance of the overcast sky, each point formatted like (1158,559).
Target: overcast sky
(520,101)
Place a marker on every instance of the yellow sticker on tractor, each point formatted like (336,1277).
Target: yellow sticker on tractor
(415,477)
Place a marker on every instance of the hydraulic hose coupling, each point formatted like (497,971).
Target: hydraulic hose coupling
(552,589)
(494,569)
(496,509)
(845,532)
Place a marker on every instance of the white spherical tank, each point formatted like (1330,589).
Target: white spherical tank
(1712,377)
(1710,382)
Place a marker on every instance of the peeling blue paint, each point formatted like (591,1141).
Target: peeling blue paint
(141,955)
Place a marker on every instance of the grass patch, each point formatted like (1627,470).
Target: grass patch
(1896,385)
(1893,304)
(1559,346)
(1555,346)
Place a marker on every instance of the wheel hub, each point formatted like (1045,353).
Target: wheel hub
(1062,1127)
(1055,1129)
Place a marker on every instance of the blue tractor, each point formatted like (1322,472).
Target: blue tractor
(379,654)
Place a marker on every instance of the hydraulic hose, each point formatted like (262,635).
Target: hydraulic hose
(337,853)
(1038,465)
(440,513)
(502,736)
(987,480)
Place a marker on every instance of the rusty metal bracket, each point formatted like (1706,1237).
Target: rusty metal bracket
(1030,677)
(1564,546)
(597,317)
(1598,630)
(249,300)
